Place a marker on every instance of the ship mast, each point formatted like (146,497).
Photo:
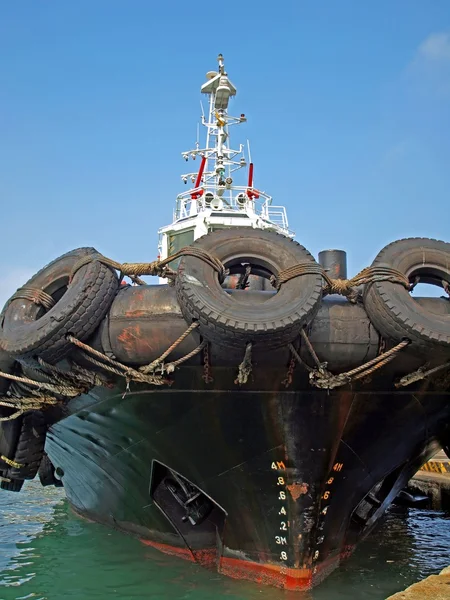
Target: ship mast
(219,159)
(215,201)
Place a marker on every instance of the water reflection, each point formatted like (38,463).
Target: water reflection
(48,553)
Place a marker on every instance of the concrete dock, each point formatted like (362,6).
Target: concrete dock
(434,587)
(433,480)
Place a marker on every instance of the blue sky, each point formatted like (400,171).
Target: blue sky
(347,105)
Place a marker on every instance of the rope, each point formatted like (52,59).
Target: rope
(299,358)
(156,267)
(59,382)
(11,463)
(15,415)
(330,381)
(85,260)
(63,390)
(309,268)
(153,365)
(245,368)
(344,287)
(24,404)
(170,367)
(320,377)
(319,365)
(91,378)
(35,295)
(81,375)
(114,366)
(421,373)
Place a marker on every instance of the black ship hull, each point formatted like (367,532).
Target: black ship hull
(259,430)
(259,433)
(287,482)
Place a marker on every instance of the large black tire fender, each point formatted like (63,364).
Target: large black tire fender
(6,366)
(15,485)
(46,473)
(22,440)
(9,430)
(27,330)
(230,322)
(392,309)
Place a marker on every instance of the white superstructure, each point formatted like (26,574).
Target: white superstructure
(214,201)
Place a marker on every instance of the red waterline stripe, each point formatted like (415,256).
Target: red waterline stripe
(294,579)
(173,550)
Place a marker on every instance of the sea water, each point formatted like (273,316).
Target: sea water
(48,553)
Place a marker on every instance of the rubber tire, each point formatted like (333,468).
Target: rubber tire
(29,447)
(228,322)
(12,486)
(9,437)
(391,308)
(46,473)
(26,332)
(6,366)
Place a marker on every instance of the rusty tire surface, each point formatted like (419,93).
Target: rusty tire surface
(28,331)
(228,322)
(392,309)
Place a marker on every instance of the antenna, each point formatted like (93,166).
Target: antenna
(198,136)
(203,111)
(249,155)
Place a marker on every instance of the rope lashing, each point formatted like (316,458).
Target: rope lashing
(320,366)
(21,405)
(61,389)
(419,374)
(78,375)
(34,295)
(56,382)
(344,287)
(245,368)
(321,378)
(170,367)
(11,463)
(156,267)
(158,361)
(114,366)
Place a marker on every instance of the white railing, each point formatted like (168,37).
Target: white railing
(278,216)
(189,206)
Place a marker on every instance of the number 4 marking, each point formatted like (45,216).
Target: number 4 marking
(279,465)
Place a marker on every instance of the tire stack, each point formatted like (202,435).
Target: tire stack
(29,331)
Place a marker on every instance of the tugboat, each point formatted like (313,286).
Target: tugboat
(254,411)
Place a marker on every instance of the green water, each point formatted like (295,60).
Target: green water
(47,553)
